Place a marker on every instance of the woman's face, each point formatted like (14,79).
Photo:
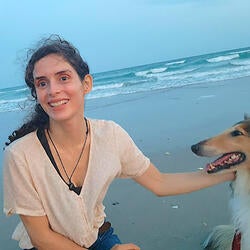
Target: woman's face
(59,89)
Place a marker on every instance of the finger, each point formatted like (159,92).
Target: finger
(131,246)
(128,246)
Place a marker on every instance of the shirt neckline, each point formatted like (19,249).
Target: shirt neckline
(44,142)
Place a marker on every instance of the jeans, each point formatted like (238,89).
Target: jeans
(105,241)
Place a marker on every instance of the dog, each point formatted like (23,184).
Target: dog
(234,147)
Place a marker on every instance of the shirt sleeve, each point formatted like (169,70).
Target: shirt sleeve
(20,195)
(133,162)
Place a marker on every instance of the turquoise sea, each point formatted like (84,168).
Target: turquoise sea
(162,75)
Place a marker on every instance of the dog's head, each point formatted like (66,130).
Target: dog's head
(233,146)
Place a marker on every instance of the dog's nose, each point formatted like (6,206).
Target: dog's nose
(195,148)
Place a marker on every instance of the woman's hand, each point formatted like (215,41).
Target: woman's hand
(129,246)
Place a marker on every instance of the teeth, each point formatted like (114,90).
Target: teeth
(55,104)
(211,166)
(225,161)
(233,157)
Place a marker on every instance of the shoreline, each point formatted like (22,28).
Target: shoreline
(96,103)
(163,124)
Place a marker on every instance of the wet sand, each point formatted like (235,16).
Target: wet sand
(164,124)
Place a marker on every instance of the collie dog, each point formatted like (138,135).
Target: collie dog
(234,147)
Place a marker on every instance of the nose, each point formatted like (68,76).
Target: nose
(195,148)
(54,88)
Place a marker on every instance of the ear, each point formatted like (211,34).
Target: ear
(87,83)
(246,116)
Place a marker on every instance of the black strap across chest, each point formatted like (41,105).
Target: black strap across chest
(43,140)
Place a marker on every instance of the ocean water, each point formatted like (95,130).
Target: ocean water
(163,75)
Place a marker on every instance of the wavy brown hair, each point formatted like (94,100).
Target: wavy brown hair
(52,45)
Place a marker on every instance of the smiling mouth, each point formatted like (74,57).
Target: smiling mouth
(56,104)
(226,161)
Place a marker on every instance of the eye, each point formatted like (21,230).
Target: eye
(41,84)
(236,133)
(64,78)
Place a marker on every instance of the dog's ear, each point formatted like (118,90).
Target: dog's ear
(246,116)
(247,123)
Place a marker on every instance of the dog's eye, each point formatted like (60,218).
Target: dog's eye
(236,133)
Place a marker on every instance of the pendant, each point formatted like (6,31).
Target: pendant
(71,186)
(75,189)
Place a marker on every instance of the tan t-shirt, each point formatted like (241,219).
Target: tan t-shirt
(33,187)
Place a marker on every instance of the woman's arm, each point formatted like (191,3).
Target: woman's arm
(43,237)
(163,184)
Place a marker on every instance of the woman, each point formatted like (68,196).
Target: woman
(60,164)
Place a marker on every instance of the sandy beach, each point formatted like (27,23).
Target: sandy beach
(164,124)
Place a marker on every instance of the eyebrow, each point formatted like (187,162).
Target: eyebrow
(57,73)
(63,72)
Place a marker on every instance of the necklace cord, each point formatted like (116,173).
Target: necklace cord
(79,158)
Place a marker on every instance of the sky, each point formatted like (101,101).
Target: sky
(115,34)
